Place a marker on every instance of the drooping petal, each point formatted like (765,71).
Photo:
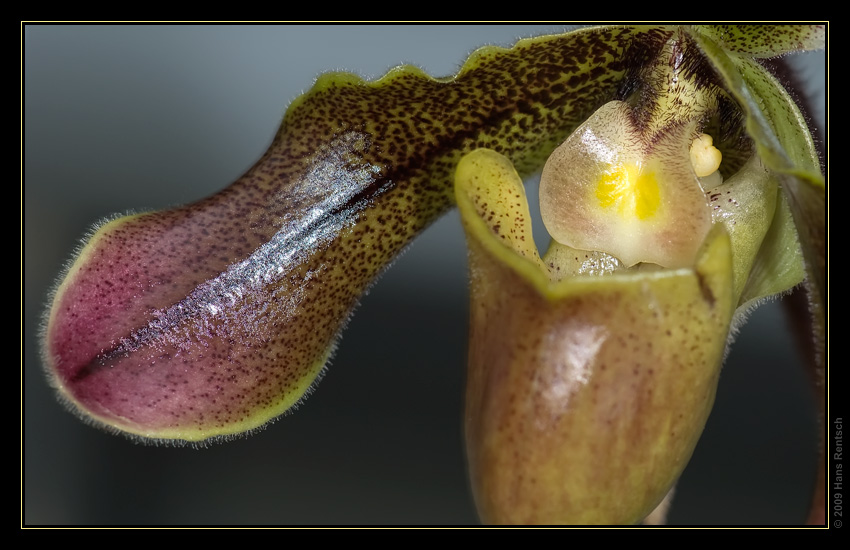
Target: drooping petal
(212,319)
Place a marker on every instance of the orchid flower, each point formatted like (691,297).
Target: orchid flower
(211,320)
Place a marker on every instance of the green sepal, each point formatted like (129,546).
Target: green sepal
(765,40)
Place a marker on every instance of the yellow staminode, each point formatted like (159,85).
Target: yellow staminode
(634,192)
(610,188)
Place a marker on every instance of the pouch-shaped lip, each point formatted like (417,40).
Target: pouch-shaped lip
(569,378)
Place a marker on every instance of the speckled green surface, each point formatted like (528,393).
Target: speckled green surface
(78,475)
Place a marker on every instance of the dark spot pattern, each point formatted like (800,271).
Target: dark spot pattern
(214,318)
(764,40)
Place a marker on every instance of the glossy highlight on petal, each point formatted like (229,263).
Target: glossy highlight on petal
(212,319)
(724,205)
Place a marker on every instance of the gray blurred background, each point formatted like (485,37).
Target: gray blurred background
(145,117)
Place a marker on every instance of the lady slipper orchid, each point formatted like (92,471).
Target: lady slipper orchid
(679,185)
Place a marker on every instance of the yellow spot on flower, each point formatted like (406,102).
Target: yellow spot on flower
(632,191)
